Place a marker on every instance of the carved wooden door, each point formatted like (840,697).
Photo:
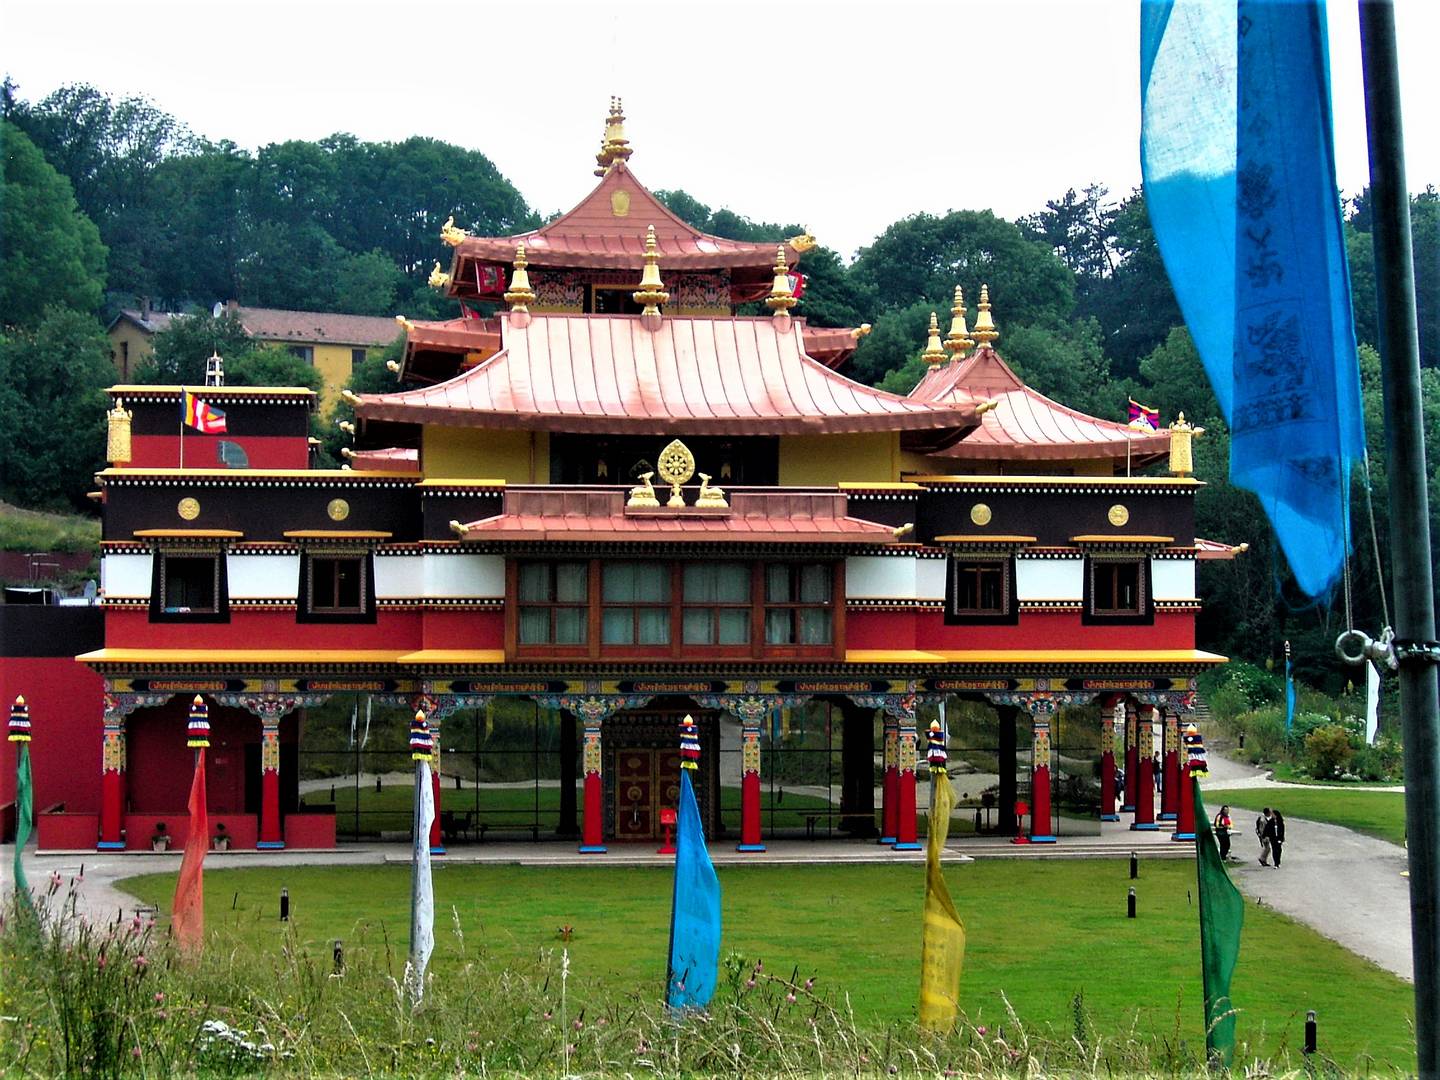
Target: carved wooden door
(635,794)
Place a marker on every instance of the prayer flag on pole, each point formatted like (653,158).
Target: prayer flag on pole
(694,964)
(942,941)
(1236,149)
(422,895)
(187,911)
(24,795)
(1143,417)
(1222,914)
(203,417)
(1289,690)
(1372,702)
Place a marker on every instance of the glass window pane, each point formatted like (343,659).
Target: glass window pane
(534,581)
(733,583)
(778,627)
(655,626)
(618,626)
(777,584)
(814,584)
(617,583)
(814,626)
(534,626)
(570,583)
(699,625)
(735,627)
(700,580)
(652,584)
(570,626)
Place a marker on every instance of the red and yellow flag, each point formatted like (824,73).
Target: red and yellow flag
(202,416)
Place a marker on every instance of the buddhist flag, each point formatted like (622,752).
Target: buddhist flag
(942,941)
(24,795)
(1237,153)
(187,915)
(1222,913)
(203,417)
(694,965)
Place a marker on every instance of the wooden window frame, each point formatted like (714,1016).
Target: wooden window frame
(1143,616)
(513,604)
(219,613)
(305,609)
(714,607)
(796,649)
(1009,612)
(671,573)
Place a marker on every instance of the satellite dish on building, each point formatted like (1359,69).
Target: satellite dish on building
(217,310)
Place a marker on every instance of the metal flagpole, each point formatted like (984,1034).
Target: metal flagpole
(1415,647)
(182,427)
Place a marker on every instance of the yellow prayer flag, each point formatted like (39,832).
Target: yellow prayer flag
(942,944)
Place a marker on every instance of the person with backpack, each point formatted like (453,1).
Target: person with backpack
(1263,834)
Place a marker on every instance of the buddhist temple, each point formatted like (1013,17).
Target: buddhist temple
(599,498)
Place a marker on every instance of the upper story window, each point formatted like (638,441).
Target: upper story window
(304,352)
(189,585)
(798,601)
(553,603)
(336,586)
(1118,590)
(717,604)
(357,357)
(635,604)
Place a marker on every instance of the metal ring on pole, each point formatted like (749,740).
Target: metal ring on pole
(1353,646)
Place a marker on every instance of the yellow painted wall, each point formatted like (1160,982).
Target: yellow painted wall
(517,457)
(332,363)
(915,465)
(832,459)
(126,333)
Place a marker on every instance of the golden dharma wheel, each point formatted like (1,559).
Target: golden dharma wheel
(188,508)
(980,514)
(1118,515)
(338,509)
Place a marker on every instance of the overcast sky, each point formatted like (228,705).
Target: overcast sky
(841,116)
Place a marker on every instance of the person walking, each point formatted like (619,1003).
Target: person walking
(1223,827)
(1263,834)
(1277,835)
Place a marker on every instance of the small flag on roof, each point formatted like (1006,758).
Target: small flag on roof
(1144,417)
(202,416)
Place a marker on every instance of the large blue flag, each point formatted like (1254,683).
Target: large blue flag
(694,913)
(1237,152)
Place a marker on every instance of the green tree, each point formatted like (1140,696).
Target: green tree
(366,285)
(52,252)
(181,349)
(52,409)
(271,365)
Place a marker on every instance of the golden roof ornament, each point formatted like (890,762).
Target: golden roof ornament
(117,442)
(438,278)
(985,334)
(1182,455)
(520,295)
(958,341)
(934,353)
(651,292)
(452,235)
(802,243)
(676,465)
(613,145)
(782,296)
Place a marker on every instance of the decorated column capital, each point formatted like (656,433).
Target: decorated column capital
(270,706)
(592,708)
(120,704)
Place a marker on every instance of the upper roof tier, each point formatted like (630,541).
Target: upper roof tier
(607,231)
(1024,424)
(697,376)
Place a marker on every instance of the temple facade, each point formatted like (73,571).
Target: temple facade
(614,501)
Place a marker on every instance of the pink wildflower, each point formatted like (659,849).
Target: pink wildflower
(101,962)
(140,962)
(135,1051)
(790,997)
(750,984)
(810,984)
(577,1023)
(159,997)
(601,1022)
(981,1030)
(546,1015)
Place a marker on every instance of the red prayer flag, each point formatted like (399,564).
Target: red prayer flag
(187,914)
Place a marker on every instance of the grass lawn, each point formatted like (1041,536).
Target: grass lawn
(1040,932)
(1375,813)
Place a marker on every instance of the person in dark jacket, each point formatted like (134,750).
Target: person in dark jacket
(1223,827)
(1262,833)
(1277,835)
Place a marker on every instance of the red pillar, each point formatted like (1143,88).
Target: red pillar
(890,788)
(1132,756)
(112,782)
(1040,781)
(750,787)
(1144,786)
(1107,759)
(1170,764)
(270,836)
(906,836)
(437,840)
(1185,819)
(592,840)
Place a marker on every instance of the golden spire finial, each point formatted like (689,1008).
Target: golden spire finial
(782,296)
(651,292)
(958,341)
(520,295)
(985,333)
(934,353)
(613,145)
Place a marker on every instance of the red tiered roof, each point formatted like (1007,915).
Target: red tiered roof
(691,376)
(1025,424)
(595,235)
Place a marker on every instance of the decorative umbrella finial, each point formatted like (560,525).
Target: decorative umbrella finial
(936,753)
(20,720)
(689,743)
(782,294)
(934,353)
(520,295)
(958,341)
(199,731)
(613,144)
(422,743)
(651,292)
(985,334)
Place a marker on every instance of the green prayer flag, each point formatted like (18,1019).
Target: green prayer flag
(24,818)
(1222,912)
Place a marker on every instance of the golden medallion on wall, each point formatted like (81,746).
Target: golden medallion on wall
(338,509)
(1118,515)
(620,203)
(980,514)
(188,508)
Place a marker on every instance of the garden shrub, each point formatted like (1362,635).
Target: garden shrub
(1264,733)
(1328,751)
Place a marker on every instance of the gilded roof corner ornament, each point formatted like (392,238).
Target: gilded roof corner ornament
(451,234)
(802,243)
(438,278)
(613,145)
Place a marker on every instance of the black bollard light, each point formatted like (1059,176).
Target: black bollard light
(332,793)
(1134,866)
(1310,1032)
(1130,904)
(457,781)
(339,957)
(378,788)
(284,905)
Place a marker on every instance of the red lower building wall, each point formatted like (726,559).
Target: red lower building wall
(1040,630)
(484,629)
(243,829)
(67,706)
(263,628)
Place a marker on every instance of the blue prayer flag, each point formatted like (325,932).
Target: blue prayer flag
(1236,148)
(694,967)
(1289,696)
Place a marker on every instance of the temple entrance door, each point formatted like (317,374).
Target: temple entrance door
(645,781)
